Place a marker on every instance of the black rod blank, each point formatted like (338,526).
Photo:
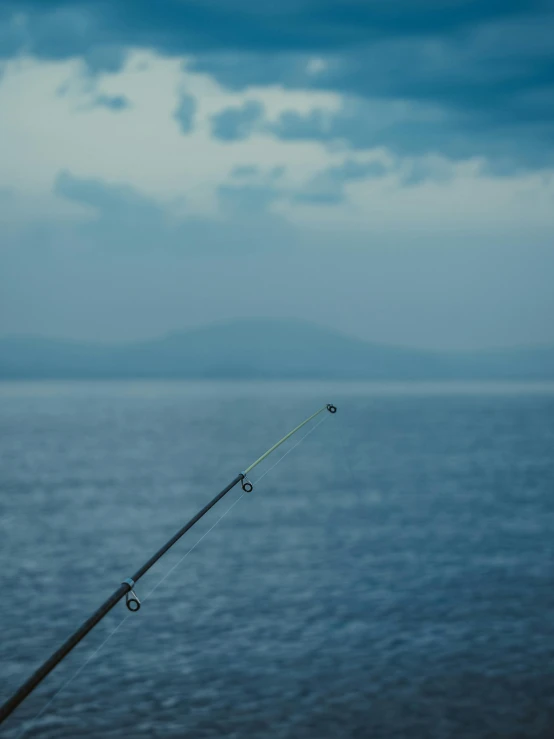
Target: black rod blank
(125,587)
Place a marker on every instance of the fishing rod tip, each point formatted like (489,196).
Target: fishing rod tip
(331,408)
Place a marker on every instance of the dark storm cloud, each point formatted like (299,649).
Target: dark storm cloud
(369,124)
(61,28)
(486,65)
(488,92)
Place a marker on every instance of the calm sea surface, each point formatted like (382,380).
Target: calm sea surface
(391,577)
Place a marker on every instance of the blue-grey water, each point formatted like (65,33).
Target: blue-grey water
(391,577)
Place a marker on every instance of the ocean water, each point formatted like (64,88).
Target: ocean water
(391,577)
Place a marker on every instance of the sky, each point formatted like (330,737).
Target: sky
(381,167)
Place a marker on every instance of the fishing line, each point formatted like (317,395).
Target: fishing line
(72,678)
(126,588)
(290,450)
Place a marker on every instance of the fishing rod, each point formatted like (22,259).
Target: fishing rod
(126,589)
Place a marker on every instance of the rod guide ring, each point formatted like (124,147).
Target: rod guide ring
(132,602)
(131,598)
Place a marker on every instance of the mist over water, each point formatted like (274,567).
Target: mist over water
(392,577)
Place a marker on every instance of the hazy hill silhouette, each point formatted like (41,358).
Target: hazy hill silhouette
(263,348)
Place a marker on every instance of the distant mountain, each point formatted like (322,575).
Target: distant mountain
(263,348)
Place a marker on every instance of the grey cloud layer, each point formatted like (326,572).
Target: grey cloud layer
(123,220)
(130,270)
(61,28)
(484,67)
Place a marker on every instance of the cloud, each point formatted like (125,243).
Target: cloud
(320,125)
(123,218)
(102,59)
(96,279)
(112,102)
(253,171)
(184,113)
(122,148)
(351,170)
(418,124)
(258,189)
(126,221)
(255,192)
(399,263)
(105,198)
(55,29)
(488,91)
(245,170)
(418,171)
(248,198)
(406,130)
(319,194)
(327,186)
(485,67)
(235,124)
(169,168)
(418,128)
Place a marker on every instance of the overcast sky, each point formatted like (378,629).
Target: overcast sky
(383,167)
